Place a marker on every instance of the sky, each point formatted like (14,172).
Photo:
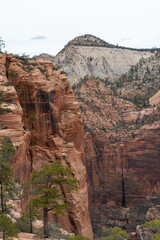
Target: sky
(45,26)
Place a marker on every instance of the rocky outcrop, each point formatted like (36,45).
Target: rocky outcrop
(153,213)
(122,145)
(151,231)
(90,56)
(44,123)
(45,56)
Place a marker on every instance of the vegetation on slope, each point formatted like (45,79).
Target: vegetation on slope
(141,82)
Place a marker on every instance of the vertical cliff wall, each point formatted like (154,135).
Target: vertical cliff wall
(122,147)
(49,125)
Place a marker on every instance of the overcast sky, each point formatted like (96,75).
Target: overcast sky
(45,26)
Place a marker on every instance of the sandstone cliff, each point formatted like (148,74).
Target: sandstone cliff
(122,127)
(90,56)
(55,131)
(122,147)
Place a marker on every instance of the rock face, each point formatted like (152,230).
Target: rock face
(153,213)
(44,123)
(141,81)
(90,56)
(45,56)
(118,92)
(147,232)
(122,147)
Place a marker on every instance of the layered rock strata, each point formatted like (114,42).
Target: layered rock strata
(44,123)
(90,56)
(122,147)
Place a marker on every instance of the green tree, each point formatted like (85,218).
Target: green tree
(7,227)
(32,214)
(7,183)
(8,188)
(25,223)
(32,119)
(46,184)
(115,233)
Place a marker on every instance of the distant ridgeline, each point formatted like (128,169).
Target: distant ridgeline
(90,40)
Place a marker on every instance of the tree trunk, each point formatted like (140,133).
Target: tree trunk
(45,220)
(4,235)
(2,203)
(31,228)
(30,221)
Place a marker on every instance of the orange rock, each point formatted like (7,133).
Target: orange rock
(55,131)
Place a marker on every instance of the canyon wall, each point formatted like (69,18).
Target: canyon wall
(44,124)
(122,147)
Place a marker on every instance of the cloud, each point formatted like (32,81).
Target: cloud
(125,39)
(40,37)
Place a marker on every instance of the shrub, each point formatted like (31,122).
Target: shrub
(8,84)
(8,110)
(154,224)
(1,96)
(54,68)
(77,237)
(4,127)
(32,118)
(55,232)
(156,236)
(23,224)
(115,233)
(62,72)
(13,74)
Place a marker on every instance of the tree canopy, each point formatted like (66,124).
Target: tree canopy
(47,184)
(8,189)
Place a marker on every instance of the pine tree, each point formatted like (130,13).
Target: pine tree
(8,188)
(47,183)
(7,227)
(25,223)
(31,214)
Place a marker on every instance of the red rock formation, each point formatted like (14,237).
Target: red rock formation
(52,118)
(122,146)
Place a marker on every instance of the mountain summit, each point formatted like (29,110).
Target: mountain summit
(89,40)
(91,56)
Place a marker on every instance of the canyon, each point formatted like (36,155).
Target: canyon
(117,156)
(118,92)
